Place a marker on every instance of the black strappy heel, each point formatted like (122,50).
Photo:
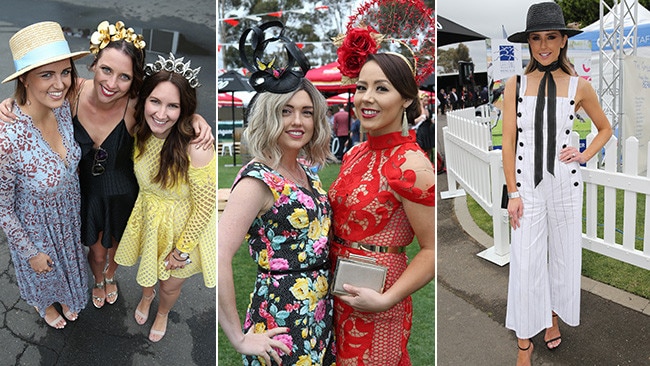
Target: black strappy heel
(554,339)
(527,348)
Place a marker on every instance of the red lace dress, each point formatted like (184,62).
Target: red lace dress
(366,209)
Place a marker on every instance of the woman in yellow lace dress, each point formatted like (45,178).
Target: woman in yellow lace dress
(172,226)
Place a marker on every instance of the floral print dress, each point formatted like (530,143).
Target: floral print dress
(290,245)
(39,211)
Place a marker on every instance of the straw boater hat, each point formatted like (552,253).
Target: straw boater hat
(37,45)
(543,17)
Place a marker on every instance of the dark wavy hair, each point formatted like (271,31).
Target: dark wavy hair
(137,59)
(174,161)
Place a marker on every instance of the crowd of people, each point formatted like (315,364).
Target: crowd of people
(450,99)
(119,163)
(120,170)
(346,128)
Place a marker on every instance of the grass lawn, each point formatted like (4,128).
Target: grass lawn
(421,345)
(596,266)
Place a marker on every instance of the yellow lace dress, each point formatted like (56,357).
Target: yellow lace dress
(183,216)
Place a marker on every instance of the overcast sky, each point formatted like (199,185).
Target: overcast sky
(485,17)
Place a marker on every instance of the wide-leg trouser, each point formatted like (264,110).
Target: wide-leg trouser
(546,252)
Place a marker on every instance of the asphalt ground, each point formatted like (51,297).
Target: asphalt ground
(110,336)
(471,306)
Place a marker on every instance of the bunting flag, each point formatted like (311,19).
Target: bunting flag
(414,42)
(277,14)
(232,21)
(410,22)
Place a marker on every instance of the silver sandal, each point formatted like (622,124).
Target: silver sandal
(111,281)
(99,300)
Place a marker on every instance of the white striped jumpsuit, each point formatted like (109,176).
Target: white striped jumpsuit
(545,255)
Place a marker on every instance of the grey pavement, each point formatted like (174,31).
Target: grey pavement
(110,336)
(471,306)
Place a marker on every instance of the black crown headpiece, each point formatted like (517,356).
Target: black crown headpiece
(266,75)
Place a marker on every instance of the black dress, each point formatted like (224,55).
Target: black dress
(107,198)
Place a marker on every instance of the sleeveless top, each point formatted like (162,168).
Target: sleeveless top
(525,151)
(106,199)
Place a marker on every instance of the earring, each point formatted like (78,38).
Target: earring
(405,124)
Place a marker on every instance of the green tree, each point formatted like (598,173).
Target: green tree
(448,59)
(318,27)
(585,12)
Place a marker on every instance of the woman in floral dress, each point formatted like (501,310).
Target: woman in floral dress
(278,205)
(39,185)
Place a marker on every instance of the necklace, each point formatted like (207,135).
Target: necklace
(302,181)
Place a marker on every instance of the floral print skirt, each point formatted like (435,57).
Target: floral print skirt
(300,302)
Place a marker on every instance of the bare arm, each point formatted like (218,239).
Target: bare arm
(249,197)
(509,140)
(587,99)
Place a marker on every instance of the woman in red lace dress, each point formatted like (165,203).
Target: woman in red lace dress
(382,198)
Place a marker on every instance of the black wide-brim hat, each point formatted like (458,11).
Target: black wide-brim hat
(543,17)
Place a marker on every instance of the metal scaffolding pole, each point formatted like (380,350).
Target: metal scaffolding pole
(612,41)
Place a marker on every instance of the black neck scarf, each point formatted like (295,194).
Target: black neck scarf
(547,82)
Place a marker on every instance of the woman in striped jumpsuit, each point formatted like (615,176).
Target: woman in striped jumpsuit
(545,189)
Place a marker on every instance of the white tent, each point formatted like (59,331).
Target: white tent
(592,31)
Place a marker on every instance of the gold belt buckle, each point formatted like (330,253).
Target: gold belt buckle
(377,248)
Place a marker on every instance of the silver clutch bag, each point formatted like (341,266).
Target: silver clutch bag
(359,271)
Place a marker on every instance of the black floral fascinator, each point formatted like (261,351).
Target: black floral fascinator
(272,75)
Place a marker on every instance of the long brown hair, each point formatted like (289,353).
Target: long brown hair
(174,160)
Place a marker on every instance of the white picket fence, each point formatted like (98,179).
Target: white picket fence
(474,168)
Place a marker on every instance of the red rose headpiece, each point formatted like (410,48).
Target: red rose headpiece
(407,24)
(354,48)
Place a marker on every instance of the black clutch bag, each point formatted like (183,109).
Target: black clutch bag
(504,197)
